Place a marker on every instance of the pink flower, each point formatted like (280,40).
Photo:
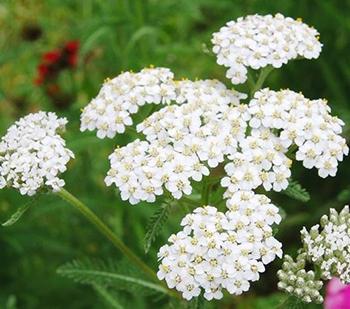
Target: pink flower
(338,295)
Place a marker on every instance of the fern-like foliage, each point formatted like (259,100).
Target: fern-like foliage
(297,192)
(107,297)
(97,272)
(155,225)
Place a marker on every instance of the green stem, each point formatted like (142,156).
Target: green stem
(107,232)
(260,82)
(132,131)
(185,207)
(291,151)
(284,302)
(251,80)
(189,201)
(205,192)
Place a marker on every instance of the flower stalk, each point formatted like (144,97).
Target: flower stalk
(264,73)
(108,233)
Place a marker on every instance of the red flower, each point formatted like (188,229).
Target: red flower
(53,62)
(52,56)
(72,47)
(43,69)
(72,60)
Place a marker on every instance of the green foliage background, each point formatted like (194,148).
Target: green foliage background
(119,35)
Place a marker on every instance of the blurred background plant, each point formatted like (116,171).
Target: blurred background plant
(115,36)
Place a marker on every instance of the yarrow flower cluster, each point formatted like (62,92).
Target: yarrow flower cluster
(216,251)
(328,249)
(32,154)
(257,41)
(122,96)
(206,128)
(140,170)
(180,139)
(306,123)
(261,160)
(207,125)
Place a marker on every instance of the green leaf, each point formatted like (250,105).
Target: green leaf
(297,192)
(107,297)
(98,272)
(93,38)
(155,225)
(294,303)
(268,301)
(19,213)
(142,32)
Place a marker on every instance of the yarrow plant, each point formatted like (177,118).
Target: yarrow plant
(201,135)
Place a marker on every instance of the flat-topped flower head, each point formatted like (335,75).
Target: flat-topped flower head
(182,142)
(306,123)
(33,154)
(257,41)
(217,251)
(110,112)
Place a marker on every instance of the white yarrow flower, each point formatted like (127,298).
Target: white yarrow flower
(218,251)
(122,96)
(33,154)
(257,41)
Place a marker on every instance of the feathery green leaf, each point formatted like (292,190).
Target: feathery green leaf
(107,274)
(297,192)
(107,297)
(155,225)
